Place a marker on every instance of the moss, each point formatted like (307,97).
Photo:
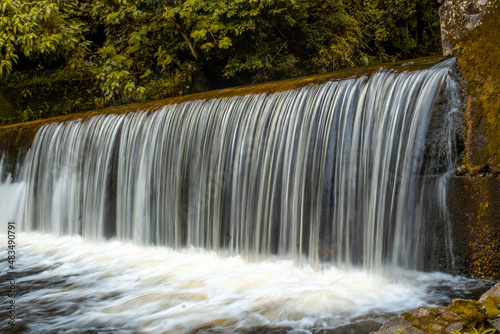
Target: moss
(468,310)
(430,320)
(492,307)
(479,59)
(435,320)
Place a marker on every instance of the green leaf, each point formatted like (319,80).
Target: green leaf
(225,43)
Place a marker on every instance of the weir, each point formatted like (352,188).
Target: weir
(328,173)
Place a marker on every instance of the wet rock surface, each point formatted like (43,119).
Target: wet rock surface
(463,239)
(457,19)
(462,315)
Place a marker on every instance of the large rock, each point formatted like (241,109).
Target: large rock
(494,292)
(396,325)
(457,19)
(463,315)
(469,31)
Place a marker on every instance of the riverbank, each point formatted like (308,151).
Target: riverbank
(462,316)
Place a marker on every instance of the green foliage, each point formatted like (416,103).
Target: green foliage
(44,31)
(41,93)
(481,330)
(401,330)
(144,49)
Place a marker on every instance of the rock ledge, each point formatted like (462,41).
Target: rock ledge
(462,315)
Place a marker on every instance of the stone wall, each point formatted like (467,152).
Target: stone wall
(457,19)
(479,60)
(464,237)
(471,33)
(475,212)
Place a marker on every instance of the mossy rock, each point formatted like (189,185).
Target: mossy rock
(469,310)
(491,306)
(479,58)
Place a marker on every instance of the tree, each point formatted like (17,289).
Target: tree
(41,31)
(146,49)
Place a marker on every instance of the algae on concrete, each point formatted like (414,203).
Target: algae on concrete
(479,60)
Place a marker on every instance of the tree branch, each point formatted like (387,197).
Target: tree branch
(186,38)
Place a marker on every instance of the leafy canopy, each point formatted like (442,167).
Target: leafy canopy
(144,49)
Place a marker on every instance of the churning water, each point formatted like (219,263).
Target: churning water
(300,209)
(67,285)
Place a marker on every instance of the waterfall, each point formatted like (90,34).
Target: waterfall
(193,218)
(325,173)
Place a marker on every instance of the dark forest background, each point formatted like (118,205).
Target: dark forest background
(58,57)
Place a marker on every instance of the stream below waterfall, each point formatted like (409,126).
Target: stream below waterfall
(66,285)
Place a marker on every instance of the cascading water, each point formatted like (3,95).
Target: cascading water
(327,174)
(326,171)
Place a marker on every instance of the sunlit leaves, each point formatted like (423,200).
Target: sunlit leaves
(225,43)
(38,29)
(157,48)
